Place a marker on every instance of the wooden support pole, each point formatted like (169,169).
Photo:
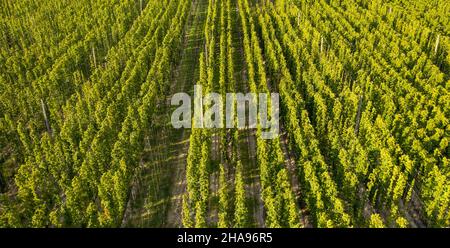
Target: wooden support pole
(437,44)
(47,122)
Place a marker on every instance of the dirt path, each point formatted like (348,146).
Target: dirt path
(248,144)
(413,211)
(253,187)
(187,75)
(291,166)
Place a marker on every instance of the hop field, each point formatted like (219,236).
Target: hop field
(86,138)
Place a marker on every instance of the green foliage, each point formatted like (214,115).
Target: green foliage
(186,213)
(364,89)
(224,200)
(240,208)
(376,221)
